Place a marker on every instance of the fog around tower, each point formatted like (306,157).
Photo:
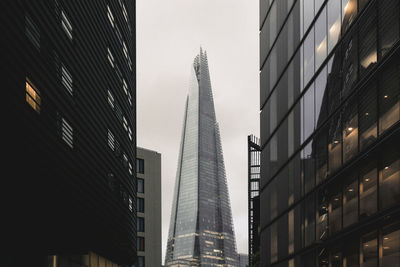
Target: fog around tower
(169,34)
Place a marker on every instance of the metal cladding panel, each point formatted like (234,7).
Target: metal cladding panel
(201,231)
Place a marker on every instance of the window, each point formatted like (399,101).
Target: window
(140,204)
(125,159)
(124,10)
(369,250)
(66,24)
(125,123)
(322,215)
(130,133)
(67,133)
(350,63)
(391,246)
(139,165)
(274,242)
(140,224)
(110,98)
(334,144)
(349,12)
(389,98)
(32,31)
(291,231)
(321,154)
(308,10)
(140,261)
(368,45)
(389,182)
(125,86)
(367,115)
(368,191)
(307,107)
(111,140)
(320,39)
(110,16)
(309,220)
(335,213)
(110,57)
(308,168)
(140,185)
(389,13)
(130,168)
(308,56)
(334,23)
(140,243)
(32,95)
(350,130)
(130,203)
(350,202)
(66,79)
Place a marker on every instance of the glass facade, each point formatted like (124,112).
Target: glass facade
(201,231)
(330,111)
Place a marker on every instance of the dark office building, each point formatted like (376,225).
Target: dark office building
(330,131)
(253,164)
(68,181)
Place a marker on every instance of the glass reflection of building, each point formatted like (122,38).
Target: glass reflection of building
(201,230)
(330,111)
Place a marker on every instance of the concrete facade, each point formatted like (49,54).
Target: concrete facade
(150,171)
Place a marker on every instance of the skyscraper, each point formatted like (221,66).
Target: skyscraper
(201,231)
(330,129)
(70,194)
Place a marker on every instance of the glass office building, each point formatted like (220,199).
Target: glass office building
(330,111)
(201,231)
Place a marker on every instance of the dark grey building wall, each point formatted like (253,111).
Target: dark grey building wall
(70,187)
(330,111)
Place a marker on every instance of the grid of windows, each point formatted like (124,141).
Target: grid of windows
(333,96)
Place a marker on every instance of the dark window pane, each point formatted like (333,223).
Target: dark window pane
(336,259)
(350,130)
(389,97)
(335,213)
(335,144)
(140,185)
(368,49)
(139,165)
(389,13)
(309,221)
(368,185)
(350,203)
(308,57)
(369,250)
(367,115)
(349,63)
(320,150)
(140,206)
(391,246)
(140,224)
(389,186)
(274,242)
(322,217)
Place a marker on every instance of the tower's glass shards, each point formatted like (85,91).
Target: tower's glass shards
(201,231)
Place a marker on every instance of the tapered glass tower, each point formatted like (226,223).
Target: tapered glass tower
(201,231)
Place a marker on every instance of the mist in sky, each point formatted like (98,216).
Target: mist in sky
(169,36)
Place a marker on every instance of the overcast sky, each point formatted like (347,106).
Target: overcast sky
(169,34)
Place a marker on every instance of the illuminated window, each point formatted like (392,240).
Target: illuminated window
(111,140)
(368,192)
(391,246)
(130,99)
(130,133)
(32,95)
(369,250)
(32,31)
(66,24)
(110,16)
(67,133)
(389,182)
(110,57)
(125,86)
(66,79)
